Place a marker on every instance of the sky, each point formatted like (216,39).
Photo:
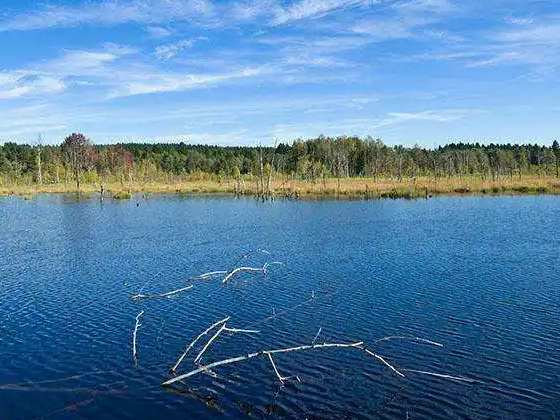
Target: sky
(249,72)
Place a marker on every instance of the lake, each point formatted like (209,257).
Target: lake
(480,275)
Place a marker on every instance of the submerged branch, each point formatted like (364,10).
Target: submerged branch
(237,270)
(256,354)
(209,342)
(317,336)
(134,353)
(281,378)
(409,338)
(208,275)
(382,360)
(442,376)
(242,269)
(160,295)
(191,345)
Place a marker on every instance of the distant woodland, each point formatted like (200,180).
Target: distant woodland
(78,160)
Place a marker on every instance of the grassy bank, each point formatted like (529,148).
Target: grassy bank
(350,188)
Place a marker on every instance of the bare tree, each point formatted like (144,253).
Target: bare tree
(38,161)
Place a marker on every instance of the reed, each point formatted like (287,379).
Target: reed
(348,188)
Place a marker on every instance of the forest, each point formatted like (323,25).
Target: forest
(79,162)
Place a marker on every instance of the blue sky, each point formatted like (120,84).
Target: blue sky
(252,71)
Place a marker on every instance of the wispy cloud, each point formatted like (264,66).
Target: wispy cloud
(158,31)
(142,83)
(169,51)
(110,12)
(304,9)
(21,83)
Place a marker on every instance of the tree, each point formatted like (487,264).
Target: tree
(38,160)
(77,149)
(556,151)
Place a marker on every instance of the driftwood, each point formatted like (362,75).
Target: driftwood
(209,275)
(281,378)
(257,354)
(441,375)
(248,269)
(408,338)
(160,295)
(209,343)
(382,360)
(220,327)
(191,345)
(243,269)
(223,328)
(215,336)
(134,353)
(317,335)
(269,354)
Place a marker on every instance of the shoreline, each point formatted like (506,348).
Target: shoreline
(326,189)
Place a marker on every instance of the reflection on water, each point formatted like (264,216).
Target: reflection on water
(479,275)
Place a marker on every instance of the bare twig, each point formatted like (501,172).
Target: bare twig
(382,360)
(160,295)
(281,378)
(237,330)
(442,376)
(409,338)
(256,354)
(241,269)
(209,342)
(317,336)
(134,353)
(191,345)
(208,275)
(262,269)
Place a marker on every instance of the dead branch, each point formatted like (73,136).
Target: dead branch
(409,338)
(209,342)
(281,378)
(249,269)
(160,295)
(215,336)
(317,336)
(442,376)
(191,345)
(237,330)
(382,360)
(208,275)
(134,354)
(241,269)
(256,354)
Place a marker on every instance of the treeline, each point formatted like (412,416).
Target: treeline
(78,160)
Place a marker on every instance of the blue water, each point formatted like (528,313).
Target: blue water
(479,275)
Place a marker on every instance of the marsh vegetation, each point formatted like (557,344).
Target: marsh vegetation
(346,167)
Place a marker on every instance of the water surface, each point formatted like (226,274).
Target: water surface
(477,274)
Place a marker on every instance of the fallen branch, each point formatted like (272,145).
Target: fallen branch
(208,275)
(241,269)
(442,376)
(160,295)
(317,336)
(410,338)
(263,269)
(209,342)
(191,345)
(281,378)
(134,354)
(237,330)
(382,360)
(222,328)
(256,354)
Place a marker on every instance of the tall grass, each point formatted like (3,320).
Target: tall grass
(352,188)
